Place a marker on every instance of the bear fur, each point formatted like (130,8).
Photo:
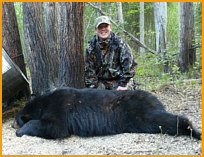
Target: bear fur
(93,112)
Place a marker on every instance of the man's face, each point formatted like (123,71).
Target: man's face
(103,31)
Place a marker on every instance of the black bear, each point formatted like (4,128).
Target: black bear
(94,112)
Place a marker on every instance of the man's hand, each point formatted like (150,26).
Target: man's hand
(122,88)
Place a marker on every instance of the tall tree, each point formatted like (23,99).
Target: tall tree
(52,23)
(119,12)
(186,37)
(71,71)
(10,35)
(142,25)
(37,46)
(160,15)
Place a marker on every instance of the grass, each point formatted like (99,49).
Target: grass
(151,76)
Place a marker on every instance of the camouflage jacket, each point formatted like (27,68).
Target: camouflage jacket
(110,60)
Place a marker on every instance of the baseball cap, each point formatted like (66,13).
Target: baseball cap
(102,19)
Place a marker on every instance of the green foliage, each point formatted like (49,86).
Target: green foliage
(150,72)
(149,30)
(131,18)
(21,101)
(89,30)
(198,17)
(172,26)
(19,15)
(160,127)
(27,70)
(198,35)
(148,65)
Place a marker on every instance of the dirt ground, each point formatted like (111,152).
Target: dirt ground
(185,100)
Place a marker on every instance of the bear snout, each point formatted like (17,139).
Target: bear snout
(15,124)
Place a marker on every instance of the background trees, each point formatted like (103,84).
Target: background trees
(160,18)
(56,39)
(119,13)
(186,37)
(142,25)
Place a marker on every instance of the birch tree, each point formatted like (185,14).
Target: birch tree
(142,25)
(119,13)
(160,15)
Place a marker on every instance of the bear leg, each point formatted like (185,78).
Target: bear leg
(172,124)
(31,128)
(38,128)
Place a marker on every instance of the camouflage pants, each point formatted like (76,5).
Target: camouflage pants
(112,85)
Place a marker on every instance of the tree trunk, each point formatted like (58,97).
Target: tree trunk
(12,44)
(71,68)
(186,37)
(52,22)
(10,35)
(119,13)
(37,46)
(142,25)
(160,14)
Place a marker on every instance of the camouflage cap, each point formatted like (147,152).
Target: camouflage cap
(102,19)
